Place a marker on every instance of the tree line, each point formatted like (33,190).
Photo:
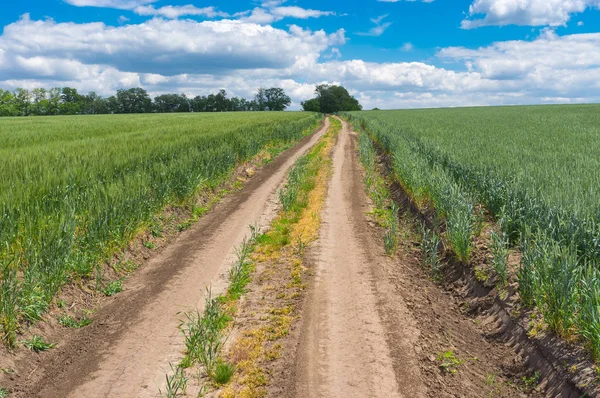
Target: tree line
(67,101)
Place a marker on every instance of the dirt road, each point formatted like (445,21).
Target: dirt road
(368,325)
(344,352)
(128,348)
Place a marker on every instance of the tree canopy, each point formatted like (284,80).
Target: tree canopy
(272,99)
(67,101)
(171,103)
(331,99)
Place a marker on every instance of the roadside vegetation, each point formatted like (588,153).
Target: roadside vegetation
(533,171)
(74,191)
(385,211)
(280,280)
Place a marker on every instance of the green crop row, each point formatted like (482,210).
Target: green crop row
(73,190)
(533,168)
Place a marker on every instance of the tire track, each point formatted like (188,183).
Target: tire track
(343,348)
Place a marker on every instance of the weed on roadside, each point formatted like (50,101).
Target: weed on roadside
(482,274)
(125,267)
(239,273)
(149,245)
(531,382)
(376,188)
(449,362)
(176,383)
(37,344)
(9,305)
(184,225)
(156,228)
(203,334)
(113,288)
(492,382)
(35,305)
(71,322)
(490,379)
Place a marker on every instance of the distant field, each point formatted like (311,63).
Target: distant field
(74,188)
(551,151)
(536,169)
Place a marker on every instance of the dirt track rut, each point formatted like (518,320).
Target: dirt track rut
(343,347)
(128,348)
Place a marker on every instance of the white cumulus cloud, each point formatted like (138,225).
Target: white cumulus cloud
(193,57)
(524,12)
(270,12)
(168,46)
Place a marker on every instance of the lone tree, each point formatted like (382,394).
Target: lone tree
(331,99)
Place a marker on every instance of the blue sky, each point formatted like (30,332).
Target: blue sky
(390,54)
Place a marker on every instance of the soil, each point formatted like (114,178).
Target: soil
(127,349)
(344,350)
(375,326)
